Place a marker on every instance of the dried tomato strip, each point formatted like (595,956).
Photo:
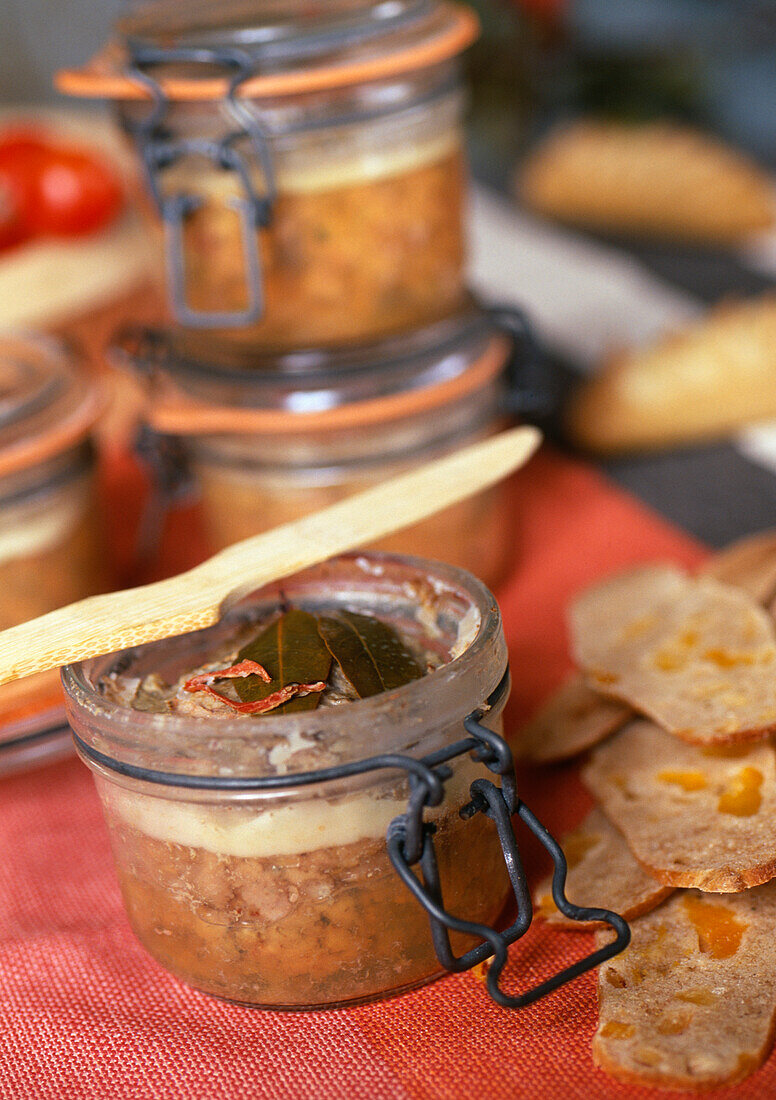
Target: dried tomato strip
(234,672)
(249,668)
(276,699)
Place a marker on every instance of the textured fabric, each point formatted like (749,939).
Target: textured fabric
(85,1013)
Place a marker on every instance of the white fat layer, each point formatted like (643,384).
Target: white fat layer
(373,164)
(26,531)
(303,175)
(301,826)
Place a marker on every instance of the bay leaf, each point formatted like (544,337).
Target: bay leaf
(292,651)
(372,656)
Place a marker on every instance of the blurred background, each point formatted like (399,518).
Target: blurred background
(709,62)
(690,203)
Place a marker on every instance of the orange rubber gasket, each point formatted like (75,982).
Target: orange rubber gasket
(173,412)
(71,429)
(103,78)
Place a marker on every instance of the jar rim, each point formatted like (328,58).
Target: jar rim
(125,735)
(317,391)
(48,404)
(171,412)
(452,29)
(270,30)
(201,358)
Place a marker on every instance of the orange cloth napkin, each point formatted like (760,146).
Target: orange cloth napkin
(87,1014)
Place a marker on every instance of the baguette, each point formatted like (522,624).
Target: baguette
(704,383)
(653,180)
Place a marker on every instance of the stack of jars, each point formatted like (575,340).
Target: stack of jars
(306,181)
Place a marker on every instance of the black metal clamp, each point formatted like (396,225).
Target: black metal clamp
(410,842)
(532,391)
(159,152)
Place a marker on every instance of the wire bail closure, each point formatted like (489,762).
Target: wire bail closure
(410,842)
(159,152)
(532,391)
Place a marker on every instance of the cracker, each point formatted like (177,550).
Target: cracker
(573,719)
(602,874)
(691,1003)
(656,179)
(749,564)
(697,657)
(711,379)
(702,817)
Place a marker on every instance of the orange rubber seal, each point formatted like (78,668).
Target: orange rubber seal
(74,427)
(173,412)
(104,77)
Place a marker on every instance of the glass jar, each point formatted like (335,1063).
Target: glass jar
(266,446)
(314,195)
(285,896)
(50,546)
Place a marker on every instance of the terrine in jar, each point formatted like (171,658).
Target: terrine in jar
(249,838)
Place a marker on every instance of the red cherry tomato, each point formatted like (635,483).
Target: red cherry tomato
(21,140)
(17,199)
(75,193)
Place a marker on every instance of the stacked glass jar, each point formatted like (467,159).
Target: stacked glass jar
(51,550)
(307,183)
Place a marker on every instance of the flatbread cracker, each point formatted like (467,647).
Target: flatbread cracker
(696,656)
(693,817)
(574,718)
(749,564)
(691,1003)
(602,874)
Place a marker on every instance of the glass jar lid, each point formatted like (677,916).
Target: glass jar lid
(47,404)
(279,31)
(326,44)
(203,386)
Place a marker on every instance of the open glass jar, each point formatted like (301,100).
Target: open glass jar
(306,170)
(269,445)
(286,896)
(50,546)
(258,857)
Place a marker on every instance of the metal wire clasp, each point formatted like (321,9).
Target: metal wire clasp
(532,388)
(159,152)
(410,842)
